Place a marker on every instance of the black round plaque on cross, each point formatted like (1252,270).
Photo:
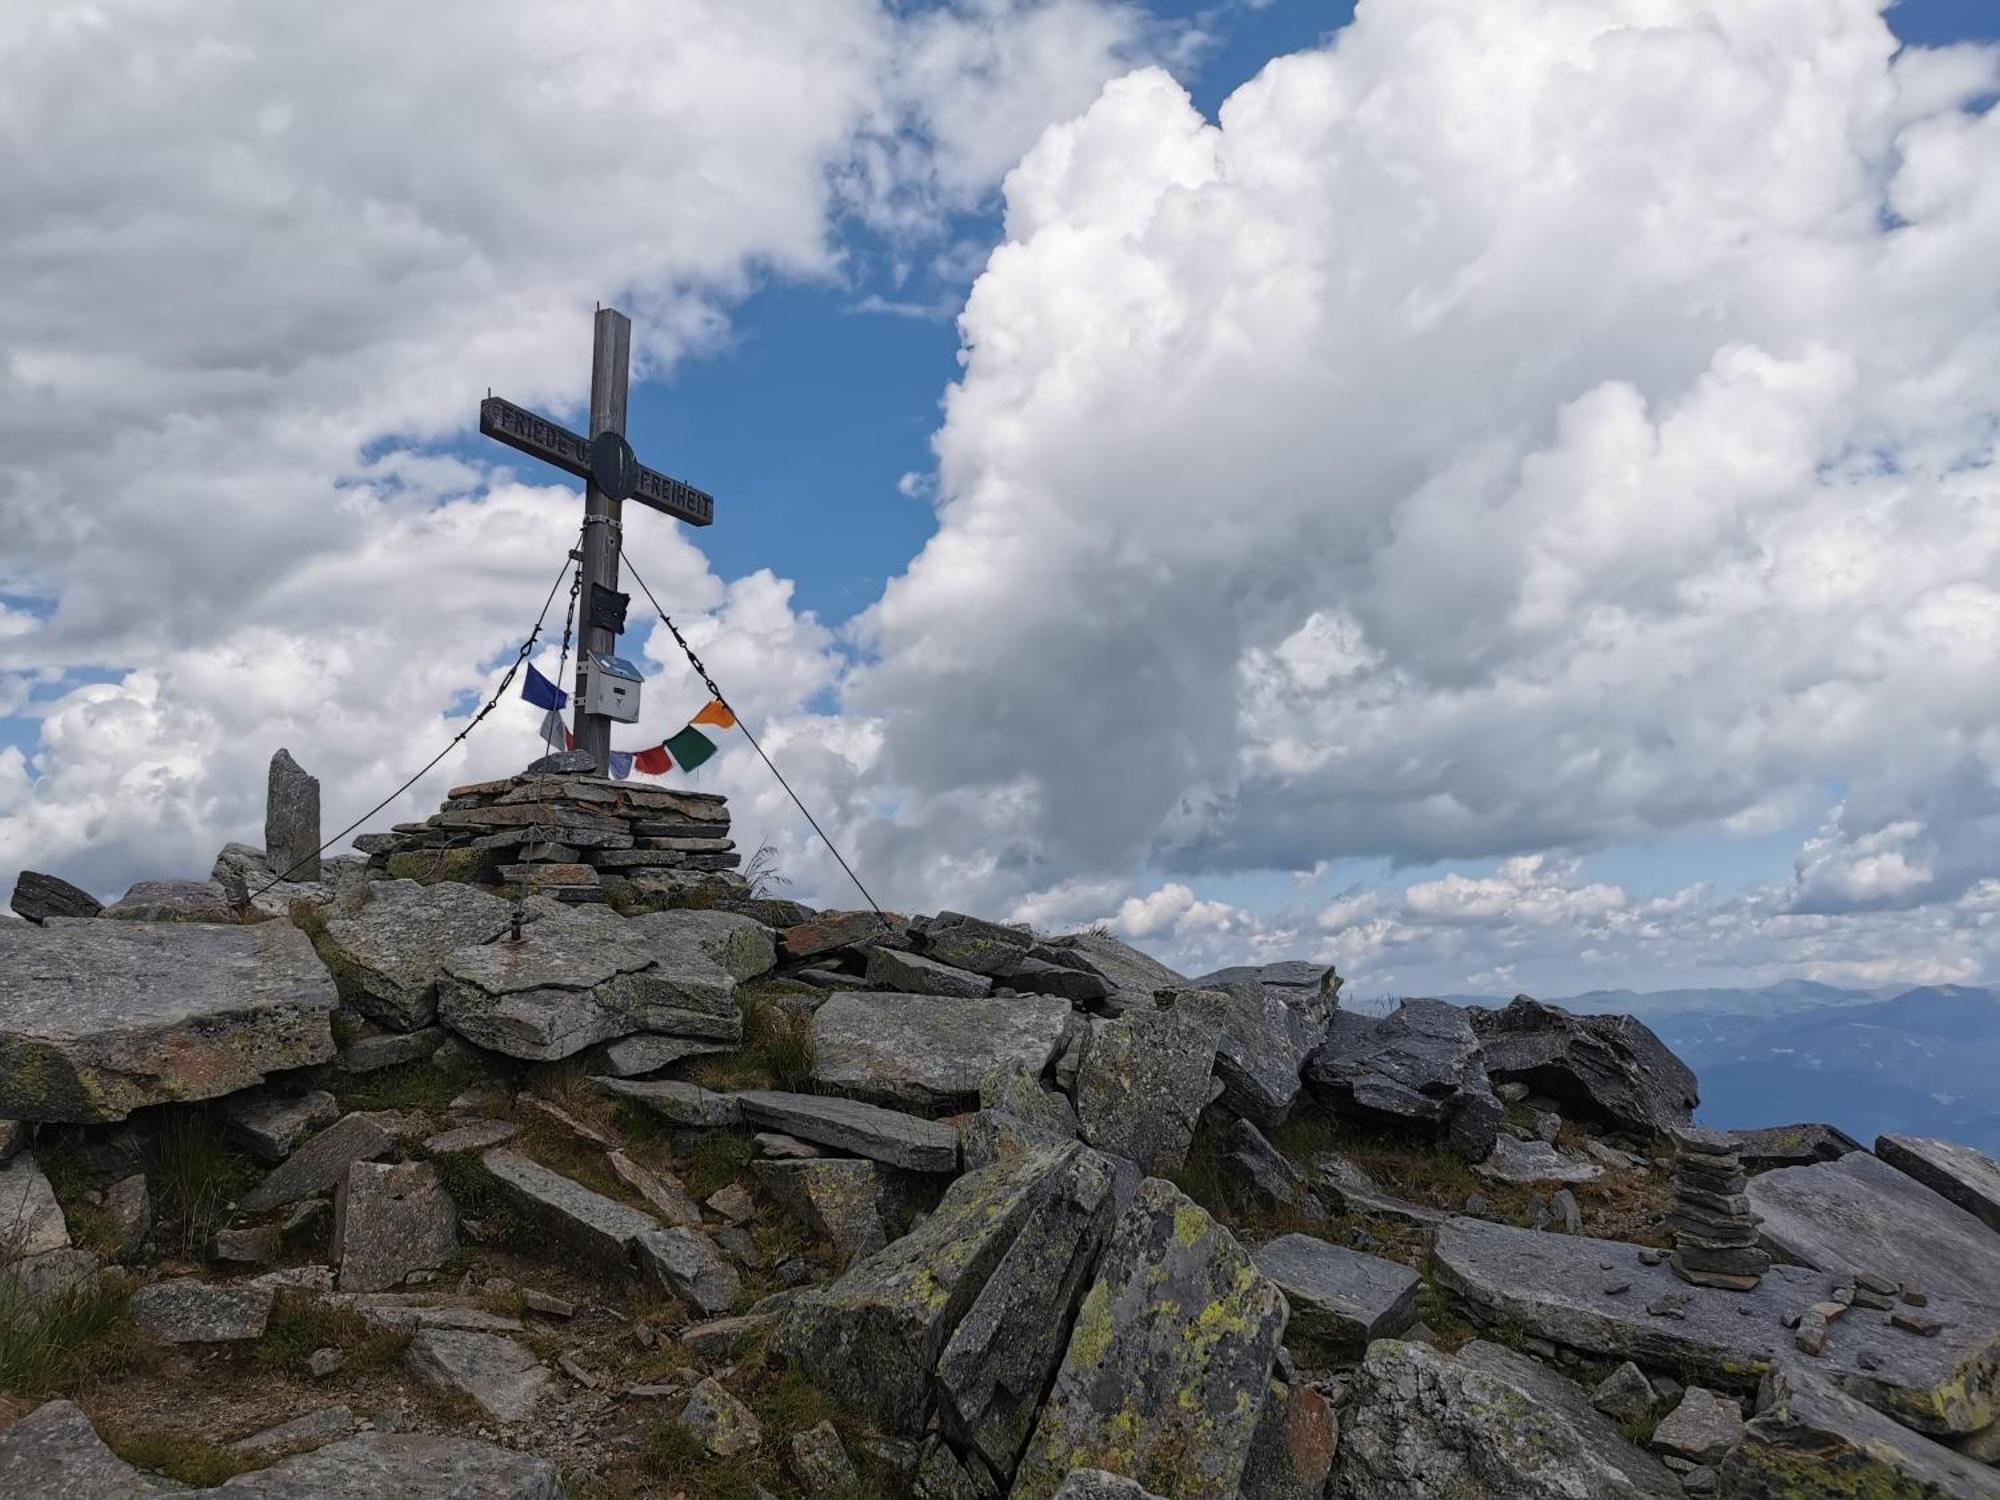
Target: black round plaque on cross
(614,467)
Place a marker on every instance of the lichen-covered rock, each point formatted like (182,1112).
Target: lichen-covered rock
(836,929)
(1791,1145)
(725,1425)
(873,1337)
(927,1053)
(386,954)
(1095,1484)
(1610,1069)
(1292,1453)
(1144,1081)
(390,1220)
(98,1018)
(819,1462)
(973,944)
(1488,1422)
(1017,1113)
(1701,1428)
(912,973)
(1810,1439)
(1417,1069)
(291,819)
(998,1361)
(1168,1363)
(705,954)
(837,1199)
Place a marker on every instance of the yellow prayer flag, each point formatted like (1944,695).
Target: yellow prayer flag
(718,714)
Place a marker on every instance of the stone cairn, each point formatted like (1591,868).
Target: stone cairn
(1715,1233)
(564,831)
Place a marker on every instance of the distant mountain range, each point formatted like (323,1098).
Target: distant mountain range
(1922,1061)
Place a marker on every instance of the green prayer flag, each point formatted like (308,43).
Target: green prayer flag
(690,748)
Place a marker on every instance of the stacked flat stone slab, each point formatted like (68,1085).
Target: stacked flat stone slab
(1715,1232)
(562,832)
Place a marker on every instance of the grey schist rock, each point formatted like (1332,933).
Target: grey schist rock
(818,1461)
(1555,1287)
(1096,1484)
(323,1161)
(663,1191)
(315,1429)
(1861,1214)
(1701,1428)
(31,1221)
(636,1056)
(1418,1069)
(128,1207)
(974,944)
(291,819)
(1486,1422)
(1268,1032)
(1292,1453)
(198,901)
(1521,1162)
(590,1223)
(687,1265)
(503,1377)
(704,955)
(37,897)
(389,1221)
(1353,1191)
(912,973)
(884,1135)
(1809,1438)
(1968,1177)
(386,954)
(188,1311)
(1625,1395)
(725,1425)
(837,1199)
(1258,1173)
(997,1364)
(53,1453)
(1791,1145)
(1144,1081)
(473,1135)
(1016,1113)
(1169,1360)
(676,1102)
(1136,978)
(408,1465)
(927,1053)
(1340,1297)
(270,1124)
(370,1054)
(1610,1069)
(98,1019)
(873,1337)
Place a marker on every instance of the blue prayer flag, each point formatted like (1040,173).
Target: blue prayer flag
(621,765)
(539,691)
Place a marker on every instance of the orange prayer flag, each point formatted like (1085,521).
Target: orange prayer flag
(718,714)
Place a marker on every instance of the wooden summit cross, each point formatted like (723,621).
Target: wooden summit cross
(612,474)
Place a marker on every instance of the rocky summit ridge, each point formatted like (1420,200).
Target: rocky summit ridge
(536,1152)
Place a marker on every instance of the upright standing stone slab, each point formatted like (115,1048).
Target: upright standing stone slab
(1861,1214)
(390,1220)
(1968,1177)
(1144,1081)
(291,820)
(1169,1362)
(98,1018)
(873,1337)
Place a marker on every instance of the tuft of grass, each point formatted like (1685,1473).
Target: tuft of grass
(90,1226)
(54,1348)
(301,1323)
(672,1452)
(196,1175)
(412,1085)
(762,873)
(715,1159)
(777,1050)
(191,1460)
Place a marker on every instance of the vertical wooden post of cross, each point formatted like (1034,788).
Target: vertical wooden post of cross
(610,374)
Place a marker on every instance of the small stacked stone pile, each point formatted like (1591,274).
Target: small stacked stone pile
(562,829)
(1715,1233)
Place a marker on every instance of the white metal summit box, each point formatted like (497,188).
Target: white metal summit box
(611,688)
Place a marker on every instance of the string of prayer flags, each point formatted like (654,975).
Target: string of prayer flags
(539,691)
(621,765)
(653,762)
(689,748)
(717,713)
